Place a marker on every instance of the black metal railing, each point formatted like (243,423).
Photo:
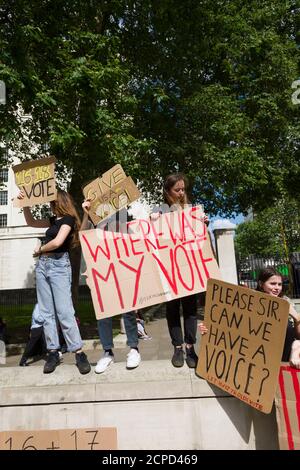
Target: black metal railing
(16,301)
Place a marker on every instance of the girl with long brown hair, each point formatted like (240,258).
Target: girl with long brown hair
(175,198)
(53,279)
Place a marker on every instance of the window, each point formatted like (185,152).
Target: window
(3,176)
(3,198)
(3,220)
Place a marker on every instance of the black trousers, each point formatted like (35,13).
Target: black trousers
(36,344)
(189,308)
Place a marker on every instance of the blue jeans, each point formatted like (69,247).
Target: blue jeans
(105,330)
(53,286)
(36,320)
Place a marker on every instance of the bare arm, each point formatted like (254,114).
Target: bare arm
(32,222)
(85,220)
(203,328)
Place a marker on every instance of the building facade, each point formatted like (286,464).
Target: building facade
(17,240)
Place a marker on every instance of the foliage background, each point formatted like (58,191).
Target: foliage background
(200,87)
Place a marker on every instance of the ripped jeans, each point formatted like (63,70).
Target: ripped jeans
(53,285)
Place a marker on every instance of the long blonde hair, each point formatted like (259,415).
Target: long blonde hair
(170,181)
(64,205)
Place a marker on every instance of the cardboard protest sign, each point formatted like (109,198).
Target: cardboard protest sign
(110,193)
(100,186)
(120,196)
(60,439)
(287,401)
(153,262)
(36,179)
(242,350)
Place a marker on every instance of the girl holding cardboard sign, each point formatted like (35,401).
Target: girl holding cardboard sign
(175,198)
(105,325)
(53,279)
(270,282)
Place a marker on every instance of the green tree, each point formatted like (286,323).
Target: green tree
(61,63)
(201,87)
(214,81)
(273,232)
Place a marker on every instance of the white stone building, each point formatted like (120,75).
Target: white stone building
(17,240)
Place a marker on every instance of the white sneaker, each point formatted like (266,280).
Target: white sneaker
(104,363)
(133,359)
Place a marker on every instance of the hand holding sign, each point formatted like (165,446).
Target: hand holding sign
(110,193)
(155,261)
(86,205)
(203,329)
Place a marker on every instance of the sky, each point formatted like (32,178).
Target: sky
(234,220)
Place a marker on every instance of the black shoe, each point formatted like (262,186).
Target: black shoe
(191,357)
(178,359)
(23,361)
(82,363)
(51,362)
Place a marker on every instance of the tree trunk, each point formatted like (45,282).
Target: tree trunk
(75,258)
(75,253)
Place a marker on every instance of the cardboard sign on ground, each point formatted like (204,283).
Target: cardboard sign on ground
(36,179)
(157,261)
(287,402)
(110,193)
(60,439)
(242,350)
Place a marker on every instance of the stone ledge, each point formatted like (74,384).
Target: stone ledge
(151,380)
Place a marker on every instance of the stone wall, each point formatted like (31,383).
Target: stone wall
(152,407)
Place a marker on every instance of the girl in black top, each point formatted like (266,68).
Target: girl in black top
(53,279)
